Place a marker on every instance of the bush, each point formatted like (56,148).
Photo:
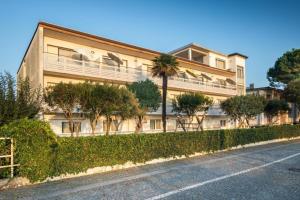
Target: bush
(34,147)
(75,155)
(41,154)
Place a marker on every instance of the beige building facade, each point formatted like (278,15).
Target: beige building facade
(57,54)
(270,93)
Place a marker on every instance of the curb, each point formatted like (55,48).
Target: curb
(98,170)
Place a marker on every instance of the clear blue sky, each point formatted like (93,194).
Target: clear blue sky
(263,30)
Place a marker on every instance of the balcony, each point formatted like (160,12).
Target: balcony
(61,64)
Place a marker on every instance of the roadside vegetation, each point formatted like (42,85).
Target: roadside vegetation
(42,154)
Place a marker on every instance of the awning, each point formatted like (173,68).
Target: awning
(206,77)
(230,81)
(115,58)
(191,74)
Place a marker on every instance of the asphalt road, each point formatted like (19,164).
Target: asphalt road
(264,172)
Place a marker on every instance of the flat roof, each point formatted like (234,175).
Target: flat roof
(207,49)
(87,35)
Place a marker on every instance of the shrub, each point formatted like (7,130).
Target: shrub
(41,154)
(34,147)
(75,155)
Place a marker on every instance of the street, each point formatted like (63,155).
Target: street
(263,172)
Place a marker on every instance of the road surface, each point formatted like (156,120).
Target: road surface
(269,171)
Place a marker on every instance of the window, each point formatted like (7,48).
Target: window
(223,123)
(240,90)
(220,63)
(76,127)
(240,72)
(155,124)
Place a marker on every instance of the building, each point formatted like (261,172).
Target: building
(270,93)
(58,54)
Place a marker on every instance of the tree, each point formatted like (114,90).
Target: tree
(64,96)
(292,93)
(127,107)
(28,101)
(243,108)
(192,105)
(91,102)
(7,98)
(148,96)
(110,104)
(274,108)
(165,66)
(286,69)
(18,102)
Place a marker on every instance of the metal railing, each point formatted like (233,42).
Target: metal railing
(11,156)
(61,64)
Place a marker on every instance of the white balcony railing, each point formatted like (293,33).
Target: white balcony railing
(61,64)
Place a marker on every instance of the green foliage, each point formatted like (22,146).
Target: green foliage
(192,105)
(29,100)
(292,92)
(275,107)
(147,93)
(118,149)
(17,102)
(64,96)
(165,66)
(243,108)
(41,154)
(148,96)
(286,68)
(34,144)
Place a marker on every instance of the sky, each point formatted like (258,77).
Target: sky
(261,29)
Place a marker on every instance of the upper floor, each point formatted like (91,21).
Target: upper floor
(62,52)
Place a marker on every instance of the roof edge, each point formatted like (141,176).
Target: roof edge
(238,54)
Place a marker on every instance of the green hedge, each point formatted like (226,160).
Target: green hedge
(51,157)
(35,144)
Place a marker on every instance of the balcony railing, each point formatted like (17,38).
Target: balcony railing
(61,64)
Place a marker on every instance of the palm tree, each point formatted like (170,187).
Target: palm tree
(164,66)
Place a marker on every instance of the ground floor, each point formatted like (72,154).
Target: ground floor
(150,124)
(268,172)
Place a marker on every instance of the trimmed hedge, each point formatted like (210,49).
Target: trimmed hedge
(34,148)
(51,156)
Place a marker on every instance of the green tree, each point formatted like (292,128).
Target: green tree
(193,105)
(7,98)
(64,96)
(127,107)
(148,96)
(110,104)
(292,93)
(243,108)
(286,69)
(28,101)
(91,102)
(274,108)
(165,66)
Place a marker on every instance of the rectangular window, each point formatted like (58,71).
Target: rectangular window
(223,123)
(240,72)
(220,63)
(155,124)
(76,127)
(240,90)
